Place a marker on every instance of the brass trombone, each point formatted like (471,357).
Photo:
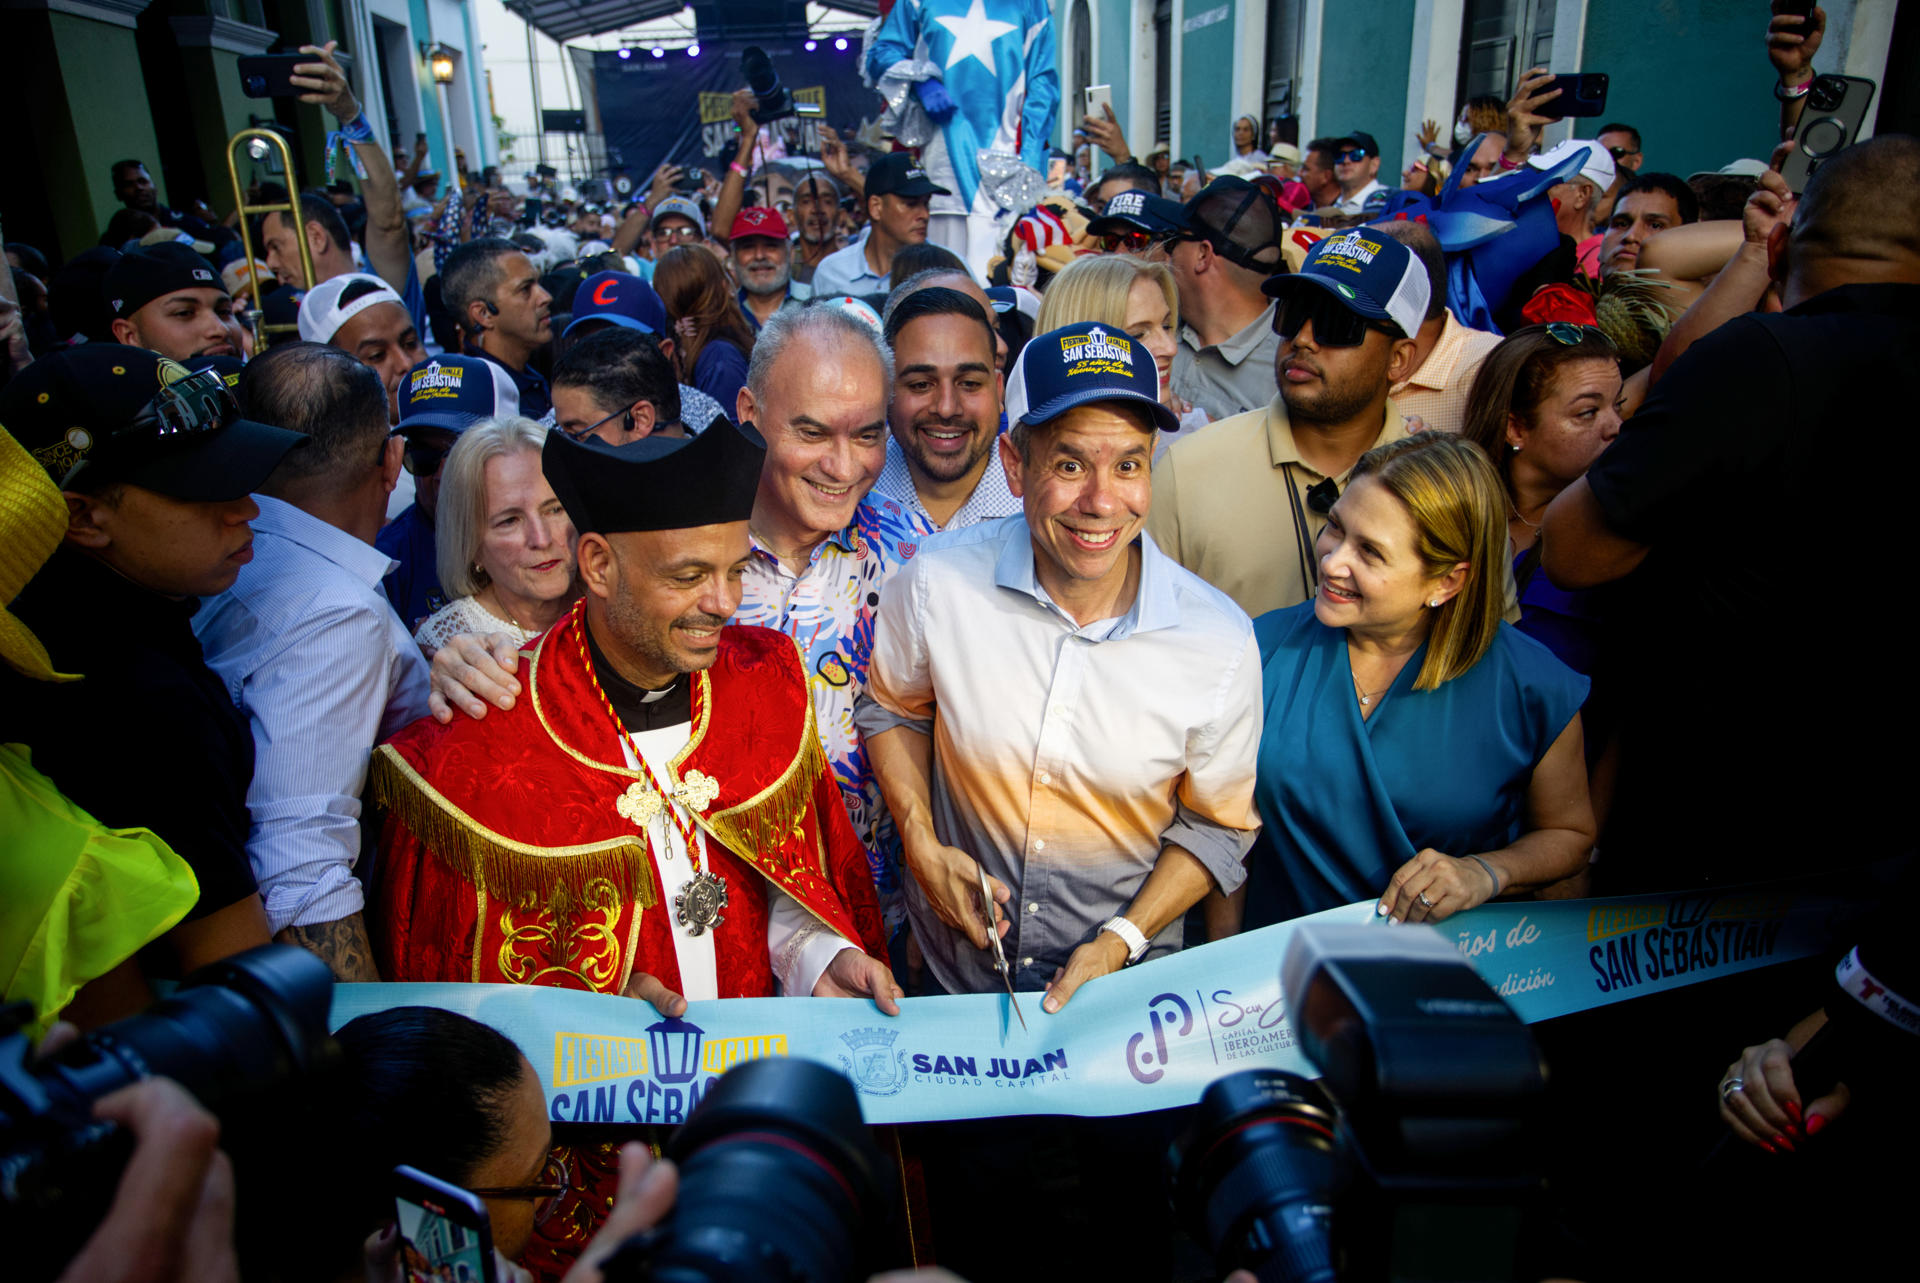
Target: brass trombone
(290,207)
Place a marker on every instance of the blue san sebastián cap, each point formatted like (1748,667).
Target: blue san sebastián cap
(1077,364)
(620,298)
(453,393)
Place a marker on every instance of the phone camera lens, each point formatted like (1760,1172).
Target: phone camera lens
(256,84)
(1827,94)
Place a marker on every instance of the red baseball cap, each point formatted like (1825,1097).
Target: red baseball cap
(758,220)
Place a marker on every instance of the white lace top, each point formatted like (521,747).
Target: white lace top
(464,615)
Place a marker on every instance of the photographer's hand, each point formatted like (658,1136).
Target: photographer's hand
(648,1187)
(172,1213)
(325,82)
(1523,118)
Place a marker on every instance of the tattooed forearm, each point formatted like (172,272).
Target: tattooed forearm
(343,945)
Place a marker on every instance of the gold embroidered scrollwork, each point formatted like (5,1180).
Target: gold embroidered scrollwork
(571,936)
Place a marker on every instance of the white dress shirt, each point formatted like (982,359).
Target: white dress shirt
(311,651)
(1066,756)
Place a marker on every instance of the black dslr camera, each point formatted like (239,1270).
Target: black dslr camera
(1408,1160)
(779,1179)
(776,101)
(235,1034)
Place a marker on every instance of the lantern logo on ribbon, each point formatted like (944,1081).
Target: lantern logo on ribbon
(675,1048)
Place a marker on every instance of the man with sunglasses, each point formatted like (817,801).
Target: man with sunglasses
(439,399)
(1133,222)
(309,648)
(1356,163)
(1241,503)
(156,465)
(615,385)
(1228,243)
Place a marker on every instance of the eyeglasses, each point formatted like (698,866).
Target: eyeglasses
(1334,323)
(1620,153)
(1126,242)
(1351,156)
(626,424)
(676,233)
(545,1196)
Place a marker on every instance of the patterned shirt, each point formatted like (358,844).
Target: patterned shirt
(829,610)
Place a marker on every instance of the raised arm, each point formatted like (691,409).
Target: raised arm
(733,188)
(1791,43)
(386,235)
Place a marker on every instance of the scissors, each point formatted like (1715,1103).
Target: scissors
(993,938)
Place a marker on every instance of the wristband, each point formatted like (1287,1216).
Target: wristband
(738,168)
(1791,93)
(353,131)
(1491,872)
(357,130)
(1130,936)
(1508,164)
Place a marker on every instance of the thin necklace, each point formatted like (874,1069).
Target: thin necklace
(1365,699)
(1531,525)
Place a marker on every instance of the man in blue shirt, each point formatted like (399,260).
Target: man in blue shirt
(309,649)
(898,195)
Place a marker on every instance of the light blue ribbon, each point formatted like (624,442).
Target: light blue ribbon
(354,131)
(1149,1037)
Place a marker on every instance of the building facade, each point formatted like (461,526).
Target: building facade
(98,81)
(1692,75)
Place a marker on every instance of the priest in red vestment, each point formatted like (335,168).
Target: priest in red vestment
(655,818)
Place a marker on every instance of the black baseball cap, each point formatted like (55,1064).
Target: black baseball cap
(1363,140)
(149,272)
(899,174)
(1138,211)
(124,414)
(1241,220)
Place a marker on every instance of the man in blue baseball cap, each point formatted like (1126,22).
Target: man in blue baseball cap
(1242,503)
(607,300)
(1129,688)
(1134,221)
(439,399)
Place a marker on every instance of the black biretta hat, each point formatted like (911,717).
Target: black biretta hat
(656,483)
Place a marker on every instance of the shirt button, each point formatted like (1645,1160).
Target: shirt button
(1045,778)
(1039,844)
(1033,906)
(1026,962)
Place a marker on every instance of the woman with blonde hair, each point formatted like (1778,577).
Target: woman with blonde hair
(504,544)
(1416,749)
(712,339)
(1133,295)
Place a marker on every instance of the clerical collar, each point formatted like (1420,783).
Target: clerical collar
(639,708)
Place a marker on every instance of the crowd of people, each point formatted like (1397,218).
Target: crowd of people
(736,594)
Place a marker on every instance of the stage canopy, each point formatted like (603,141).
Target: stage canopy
(564,20)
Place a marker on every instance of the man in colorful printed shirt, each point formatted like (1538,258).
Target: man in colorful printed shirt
(823,546)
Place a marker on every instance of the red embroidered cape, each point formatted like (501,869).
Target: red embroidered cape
(503,857)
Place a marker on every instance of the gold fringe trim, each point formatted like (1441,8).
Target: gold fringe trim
(525,876)
(777,815)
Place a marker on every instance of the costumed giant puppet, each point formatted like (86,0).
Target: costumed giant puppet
(656,817)
(983,72)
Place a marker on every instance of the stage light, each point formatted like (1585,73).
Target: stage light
(658,52)
(812,45)
(841,44)
(625,54)
(693,51)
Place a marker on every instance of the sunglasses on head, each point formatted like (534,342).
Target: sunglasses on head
(1334,323)
(1568,334)
(1351,156)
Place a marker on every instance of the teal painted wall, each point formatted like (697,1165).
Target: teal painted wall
(1364,50)
(439,153)
(1706,103)
(1207,108)
(1110,65)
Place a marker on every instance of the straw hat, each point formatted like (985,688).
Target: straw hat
(33,520)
